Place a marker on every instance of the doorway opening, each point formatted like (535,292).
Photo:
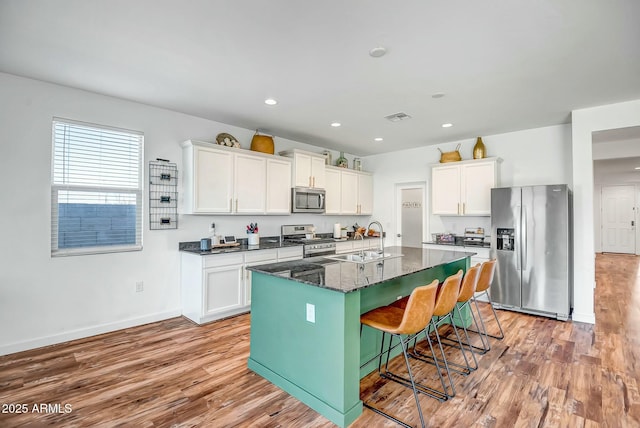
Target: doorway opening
(618,219)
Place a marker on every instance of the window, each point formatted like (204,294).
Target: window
(96,189)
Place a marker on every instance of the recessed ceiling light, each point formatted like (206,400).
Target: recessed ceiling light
(638,167)
(377,52)
(336,124)
(270,102)
(438,95)
(447,125)
(377,139)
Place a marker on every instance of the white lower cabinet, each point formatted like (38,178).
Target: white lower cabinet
(356,245)
(222,290)
(219,285)
(481,256)
(253,258)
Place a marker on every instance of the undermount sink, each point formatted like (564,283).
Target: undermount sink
(364,257)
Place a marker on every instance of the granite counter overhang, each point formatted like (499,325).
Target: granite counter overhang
(346,277)
(451,244)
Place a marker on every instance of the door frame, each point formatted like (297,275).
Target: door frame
(397,212)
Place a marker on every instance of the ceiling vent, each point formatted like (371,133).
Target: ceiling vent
(397,117)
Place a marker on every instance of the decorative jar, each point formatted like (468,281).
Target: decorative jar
(342,162)
(479,150)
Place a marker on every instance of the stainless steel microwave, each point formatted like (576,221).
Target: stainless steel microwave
(307,200)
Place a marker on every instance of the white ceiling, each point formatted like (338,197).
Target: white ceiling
(502,65)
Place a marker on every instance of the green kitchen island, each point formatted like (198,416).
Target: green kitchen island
(305,321)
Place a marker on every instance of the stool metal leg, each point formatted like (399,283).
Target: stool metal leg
(495,316)
(411,383)
(431,392)
(450,366)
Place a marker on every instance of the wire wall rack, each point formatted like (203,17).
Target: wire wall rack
(163,195)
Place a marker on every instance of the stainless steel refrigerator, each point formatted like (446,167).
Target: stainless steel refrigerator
(531,239)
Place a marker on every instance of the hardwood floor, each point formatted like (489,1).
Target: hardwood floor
(545,373)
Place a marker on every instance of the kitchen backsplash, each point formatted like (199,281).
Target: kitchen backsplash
(456,225)
(268,225)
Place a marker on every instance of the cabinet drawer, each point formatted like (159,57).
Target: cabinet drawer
(289,253)
(261,256)
(216,260)
(344,247)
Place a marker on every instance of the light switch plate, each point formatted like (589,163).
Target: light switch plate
(311,312)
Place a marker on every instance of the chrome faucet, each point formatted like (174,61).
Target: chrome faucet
(362,247)
(381,250)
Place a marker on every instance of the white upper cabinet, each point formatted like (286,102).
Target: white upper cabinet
(463,188)
(365,193)
(223,180)
(278,186)
(318,171)
(308,168)
(348,191)
(250,184)
(332,188)
(209,177)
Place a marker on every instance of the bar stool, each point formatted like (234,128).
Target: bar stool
(467,291)
(443,313)
(487,272)
(445,301)
(398,323)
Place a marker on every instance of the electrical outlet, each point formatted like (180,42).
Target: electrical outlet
(139,286)
(311,312)
(212,228)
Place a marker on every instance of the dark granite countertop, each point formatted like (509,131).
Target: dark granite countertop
(266,243)
(347,276)
(451,244)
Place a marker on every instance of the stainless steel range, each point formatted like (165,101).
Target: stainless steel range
(312,245)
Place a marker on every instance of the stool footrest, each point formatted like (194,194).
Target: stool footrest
(433,393)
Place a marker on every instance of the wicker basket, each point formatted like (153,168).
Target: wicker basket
(453,156)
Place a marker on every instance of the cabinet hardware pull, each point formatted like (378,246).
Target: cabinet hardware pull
(314,182)
(231,205)
(458,208)
(236,205)
(463,208)
(310,185)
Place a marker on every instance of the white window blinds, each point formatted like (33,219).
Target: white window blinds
(96,189)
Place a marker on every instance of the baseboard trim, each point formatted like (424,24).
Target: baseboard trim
(586,318)
(86,332)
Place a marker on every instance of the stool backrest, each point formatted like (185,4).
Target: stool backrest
(448,294)
(469,283)
(487,271)
(419,309)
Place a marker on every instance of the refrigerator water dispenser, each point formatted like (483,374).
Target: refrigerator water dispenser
(506,240)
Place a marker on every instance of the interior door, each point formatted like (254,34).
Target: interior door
(411,212)
(618,228)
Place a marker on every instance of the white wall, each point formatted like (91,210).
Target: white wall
(584,123)
(46,300)
(529,157)
(616,149)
